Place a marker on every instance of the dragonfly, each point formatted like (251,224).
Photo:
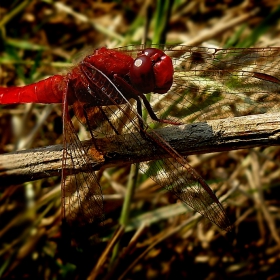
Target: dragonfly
(107,91)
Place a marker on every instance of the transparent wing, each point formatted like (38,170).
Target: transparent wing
(82,200)
(208,84)
(214,83)
(220,83)
(189,186)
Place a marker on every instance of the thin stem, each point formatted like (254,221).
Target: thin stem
(132,180)
(131,185)
(14,12)
(162,16)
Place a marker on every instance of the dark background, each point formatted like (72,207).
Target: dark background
(42,38)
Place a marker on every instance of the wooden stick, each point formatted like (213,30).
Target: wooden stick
(197,138)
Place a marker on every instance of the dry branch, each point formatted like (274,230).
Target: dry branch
(197,138)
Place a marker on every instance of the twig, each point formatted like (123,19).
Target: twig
(197,138)
(220,28)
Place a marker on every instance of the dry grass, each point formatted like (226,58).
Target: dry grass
(163,239)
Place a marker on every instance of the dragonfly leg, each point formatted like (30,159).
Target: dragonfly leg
(90,128)
(130,92)
(153,115)
(108,120)
(140,119)
(88,124)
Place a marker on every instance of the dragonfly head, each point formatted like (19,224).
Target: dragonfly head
(152,71)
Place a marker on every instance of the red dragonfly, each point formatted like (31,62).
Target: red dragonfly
(106,91)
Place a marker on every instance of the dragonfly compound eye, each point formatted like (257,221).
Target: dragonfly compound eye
(141,74)
(163,72)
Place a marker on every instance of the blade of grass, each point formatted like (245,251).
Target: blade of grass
(162,17)
(131,185)
(19,8)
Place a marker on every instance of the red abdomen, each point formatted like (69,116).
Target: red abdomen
(46,91)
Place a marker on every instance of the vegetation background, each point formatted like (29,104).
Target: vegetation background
(42,38)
